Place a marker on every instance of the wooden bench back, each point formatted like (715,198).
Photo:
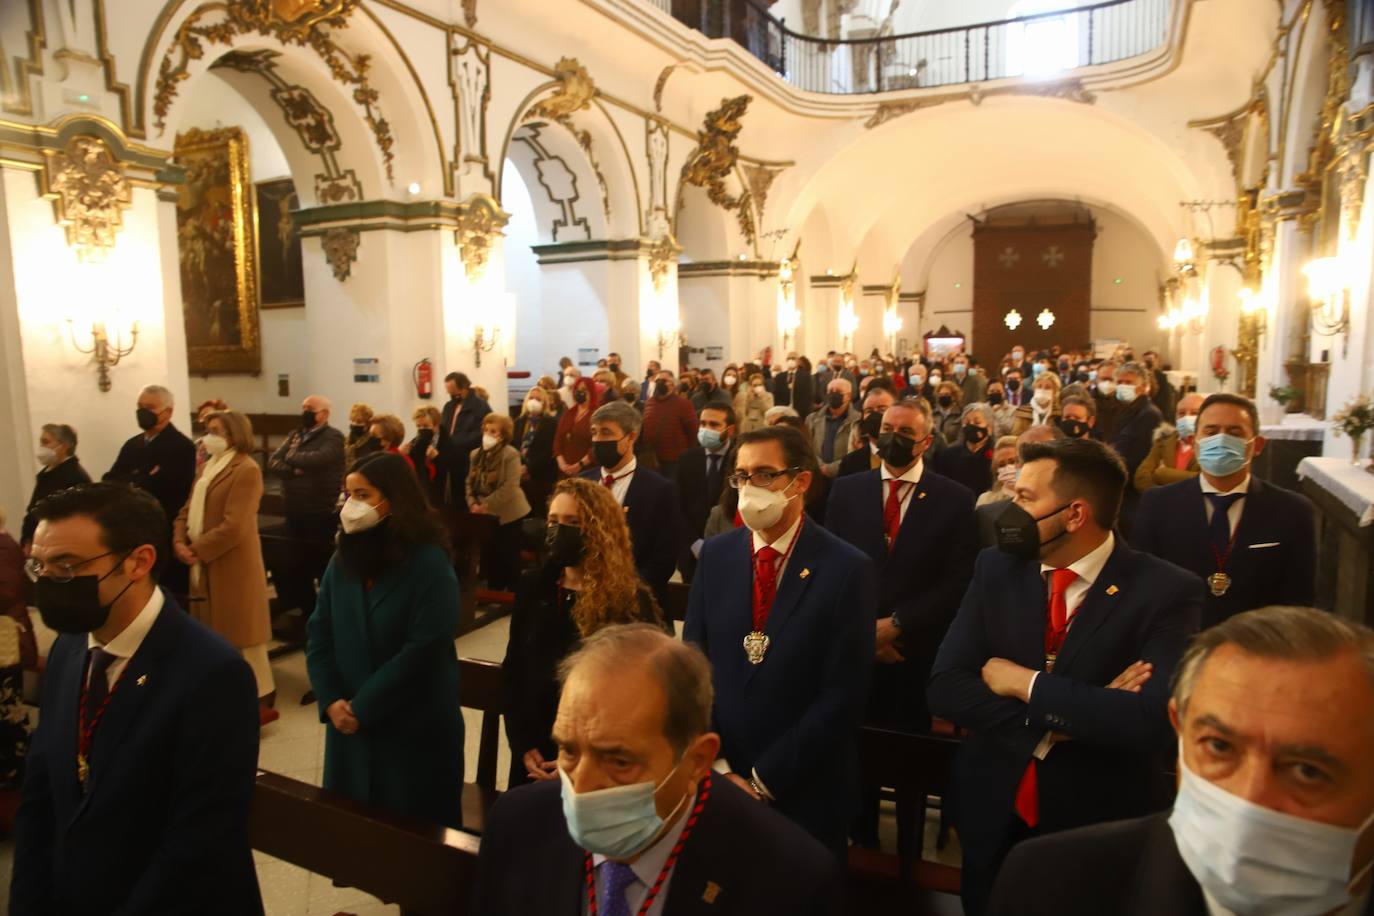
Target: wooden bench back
(482,686)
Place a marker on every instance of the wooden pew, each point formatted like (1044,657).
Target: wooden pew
(427,870)
(482,686)
(914,766)
(675,599)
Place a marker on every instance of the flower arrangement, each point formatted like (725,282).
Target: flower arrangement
(1354,420)
(1283,394)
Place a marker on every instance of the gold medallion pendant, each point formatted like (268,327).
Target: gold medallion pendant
(755,646)
(1218,582)
(83,769)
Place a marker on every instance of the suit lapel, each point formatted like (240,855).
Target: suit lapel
(66,720)
(1195,514)
(140,679)
(1097,605)
(229,471)
(871,517)
(796,578)
(1026,629)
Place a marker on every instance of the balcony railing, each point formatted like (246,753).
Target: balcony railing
(1027,46)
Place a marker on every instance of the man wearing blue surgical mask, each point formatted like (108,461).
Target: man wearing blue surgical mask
(1173,457)
(1274,711)
(1252,542)
(1136,422)
(637,821)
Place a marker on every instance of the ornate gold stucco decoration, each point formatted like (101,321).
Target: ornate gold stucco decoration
(304,23)
(480,221)
(1071,90)
(714,160)
(89,192)
(662,255)
(341,250)
(470,13)
(574,93)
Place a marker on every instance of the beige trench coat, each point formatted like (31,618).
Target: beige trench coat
(231,598)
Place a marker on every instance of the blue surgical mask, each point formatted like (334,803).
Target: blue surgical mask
(1125,393)
(1258,861)
(1186,426)
(710,439)
(1222,455)
(617,822)
(1036,369)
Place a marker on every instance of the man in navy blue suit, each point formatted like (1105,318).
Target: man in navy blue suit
(773,605)
(141,773)
(648,498)
(1260,548)
(1058,663)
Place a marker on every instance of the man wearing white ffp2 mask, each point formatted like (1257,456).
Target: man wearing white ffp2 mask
(636,821)
(1274,710)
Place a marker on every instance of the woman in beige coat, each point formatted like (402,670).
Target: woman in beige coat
(494,489)
(216,534)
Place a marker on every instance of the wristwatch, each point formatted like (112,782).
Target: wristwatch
(758,789)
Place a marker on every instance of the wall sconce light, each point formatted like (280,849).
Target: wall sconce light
(1330,295)
(1193,315)
(1183,256)
(483,341)
(789,317)
(1253,309)
(104,351)
(1012,320)
(1169,320)
(1045,319)
(892,324)
(849,321)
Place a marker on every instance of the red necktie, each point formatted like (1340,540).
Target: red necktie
(765,584)
(1028,793)
(892,511)
(608,481)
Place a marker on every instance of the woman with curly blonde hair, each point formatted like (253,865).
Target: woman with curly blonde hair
(588,582)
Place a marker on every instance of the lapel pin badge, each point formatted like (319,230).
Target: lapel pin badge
(1112,589)
(142,679)
(921,495)
(711,893)
(805,573)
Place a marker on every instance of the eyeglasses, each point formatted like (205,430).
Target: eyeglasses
(758,478)
(36,569)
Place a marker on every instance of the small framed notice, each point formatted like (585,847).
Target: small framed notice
(367,369)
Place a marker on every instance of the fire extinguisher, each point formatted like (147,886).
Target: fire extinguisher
(424,379)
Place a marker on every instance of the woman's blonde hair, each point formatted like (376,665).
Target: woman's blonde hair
(361,411)
(504,427)
(610,584)
(539,394)
(238,429)
(429,412)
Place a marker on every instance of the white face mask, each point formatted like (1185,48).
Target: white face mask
(535,407)
(1006,475)
(1258,861)
(728,380)
(936,379)
(213,444)
(1107,387)
(1017,356)
(758,391)
(357,515)
(1043,397)
(791,364)
(568,380)
(762,508)
(46,456)
(489,441)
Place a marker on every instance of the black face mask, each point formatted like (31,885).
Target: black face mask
(660,389)
(606,452)
(1074,429)
(974,434)
(147,419)
(74,607)
(580,395)
(308,419)
(897,450)
(424,436)
(683,388)
(355,429)
(612,396)
(368,446)
(613,367)
(1018,532)
(945,400)
(871,424)
(835,400)
(565,544)
(1013,384)
(994,399)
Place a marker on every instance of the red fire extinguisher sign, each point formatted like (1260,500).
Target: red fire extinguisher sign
(424,379)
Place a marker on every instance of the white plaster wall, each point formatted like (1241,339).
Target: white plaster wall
(523,275)
(704,303)
(50,284)
(573,314)
(16,443)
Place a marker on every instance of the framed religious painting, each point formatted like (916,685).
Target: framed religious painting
(281,280)
(219,271)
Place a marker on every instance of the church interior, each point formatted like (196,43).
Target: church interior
(265,207)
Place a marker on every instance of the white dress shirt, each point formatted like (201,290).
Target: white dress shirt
(1234,511)
(123,646)
(1088,567)
(621,486)
(646,869)
(909,481)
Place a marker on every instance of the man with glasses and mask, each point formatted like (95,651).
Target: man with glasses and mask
(1252,542)
(648,498)
(877,400)
(918,529)
(637,822)
(141,774)
(1058,663)
(773,606)
(1274,710)
(162,461)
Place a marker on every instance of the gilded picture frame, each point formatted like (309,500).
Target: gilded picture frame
(216,220)
(281,273)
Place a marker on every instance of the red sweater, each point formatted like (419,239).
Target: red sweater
(670,426)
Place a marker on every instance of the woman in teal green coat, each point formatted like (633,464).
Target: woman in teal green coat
(380,650)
